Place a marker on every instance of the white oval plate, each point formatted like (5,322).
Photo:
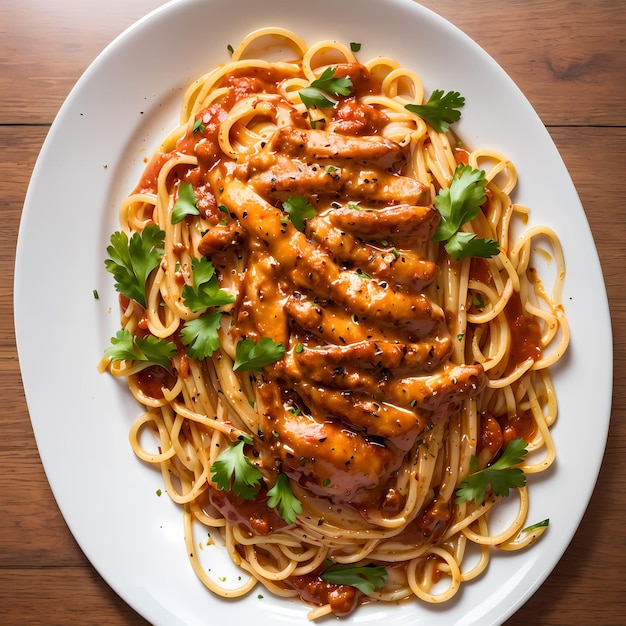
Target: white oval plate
(114,117)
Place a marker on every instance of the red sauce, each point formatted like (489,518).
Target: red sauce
(437,574)
(430,525)
(393,502)
(152,379)
(518,427)
(204,142)
(247,81)
(525,334)
(497,432)
(461,155)
(435,519)
(491,436)
(254,515)
(353,118)
(243,86)
(479,271)
(148,181)
(363,83)
(343,599)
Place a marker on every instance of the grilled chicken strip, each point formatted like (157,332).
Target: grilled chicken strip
(355,398)
(422,393)
(377,355)
(451,384)
(306,162)
(417,222)
(316,145)
(363,414)
(399,269)
(261,308)
(313,268)
(375,185)
(333,324)
(279,176)
(326,456)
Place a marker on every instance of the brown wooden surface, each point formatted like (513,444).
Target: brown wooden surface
(569,58)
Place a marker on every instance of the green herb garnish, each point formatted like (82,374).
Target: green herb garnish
(501,476)
(186,203)
(251,357)
(315,96)
(131,261)
(299,209)
(365,578)
(233,471)
(126,347)
(441,110)
(281,497)
(460,203)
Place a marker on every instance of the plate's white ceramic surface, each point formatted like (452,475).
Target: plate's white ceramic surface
(115,116)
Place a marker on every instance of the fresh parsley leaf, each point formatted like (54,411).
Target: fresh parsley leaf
(126,347)
(251,357)
(464,245)
(542,524)
(281,497)
(198,126)
(233,471)
(205,291)
(200,335)
(460,203)
(365,578)
(131,262)
(315,95)
(441,110)
(299,209)
(336,86)
(185,203)
(501,476)
(314,98)
(478,301)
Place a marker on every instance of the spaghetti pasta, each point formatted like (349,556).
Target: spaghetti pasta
(320,372)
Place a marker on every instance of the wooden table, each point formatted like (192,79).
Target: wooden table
(569,58)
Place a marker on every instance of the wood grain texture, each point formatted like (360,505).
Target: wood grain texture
(568,57)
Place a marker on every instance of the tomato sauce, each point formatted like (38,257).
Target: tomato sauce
(479,271)
(152,379)
(435,519)
(525,334)
(497,432)
(148,181)
(521,426)
(491,437)
(254,515)
(343,599)
(461,155)
(436,574)
(430,525)
(353,118)
(363,83)
(248,81)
